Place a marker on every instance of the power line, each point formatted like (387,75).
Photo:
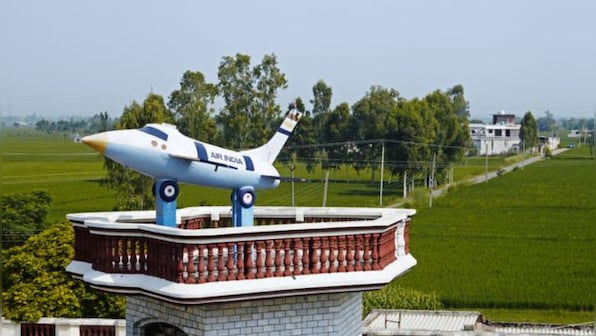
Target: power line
(375,141)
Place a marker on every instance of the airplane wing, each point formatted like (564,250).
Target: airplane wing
(190,158)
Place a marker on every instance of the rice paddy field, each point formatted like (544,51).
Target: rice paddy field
(523,241)
(520,247)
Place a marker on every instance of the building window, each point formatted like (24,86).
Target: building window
(498,133)
(507,133)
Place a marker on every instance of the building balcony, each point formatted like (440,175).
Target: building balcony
(289,251)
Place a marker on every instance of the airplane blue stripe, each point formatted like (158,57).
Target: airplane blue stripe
(248,161)
(283,131)
(201,152)
(155,132)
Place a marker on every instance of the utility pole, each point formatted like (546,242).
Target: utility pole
(592,148)
(523,158)
(325,188)
(486,163)
(292,168)
(432,182)
(405,184)
(382,172)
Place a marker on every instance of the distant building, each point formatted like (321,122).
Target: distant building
(499,138)
(574,133)
(503,119)
(76,137)
(550,142)
(581,133)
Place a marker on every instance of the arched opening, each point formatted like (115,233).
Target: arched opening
(161,329)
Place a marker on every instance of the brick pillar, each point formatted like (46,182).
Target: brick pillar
(318,314)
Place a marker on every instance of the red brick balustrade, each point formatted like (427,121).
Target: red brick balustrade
(93,330)
(202,256)
(38,329)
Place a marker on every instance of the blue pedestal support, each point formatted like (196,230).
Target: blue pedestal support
(243,207)
(165,209)
(166,192)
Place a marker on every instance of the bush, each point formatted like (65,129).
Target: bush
(397,297)
(547,152)
(452,187)
(35,283)
(418,199)
(23,214)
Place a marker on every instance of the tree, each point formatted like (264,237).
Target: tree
(528,132)
(304,135)
(460,106)
(134,190)
(413,131)
(191,106)
(100,122)
(23,215)
(337,124)
(36,284)
(546,123)
(249,97)
(336,129)
(452,134)
(268,79)
(370,120)
(43,125)
(321,102)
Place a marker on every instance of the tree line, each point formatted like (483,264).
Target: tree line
(411,132)
(98,123)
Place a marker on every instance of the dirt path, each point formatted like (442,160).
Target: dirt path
(489,175)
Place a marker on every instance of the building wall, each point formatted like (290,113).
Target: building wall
(499,138)
(496,146)
(321,314)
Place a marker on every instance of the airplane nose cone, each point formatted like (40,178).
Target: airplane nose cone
(96,141)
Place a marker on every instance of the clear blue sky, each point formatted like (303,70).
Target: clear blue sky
(62,58)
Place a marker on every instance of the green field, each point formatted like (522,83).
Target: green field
(524,241)
(71,172)
(521,244)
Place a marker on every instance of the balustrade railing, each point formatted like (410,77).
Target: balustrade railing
(232,254)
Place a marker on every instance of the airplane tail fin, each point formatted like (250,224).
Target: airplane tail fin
(269,151)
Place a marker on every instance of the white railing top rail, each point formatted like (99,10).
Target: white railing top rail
(374,220)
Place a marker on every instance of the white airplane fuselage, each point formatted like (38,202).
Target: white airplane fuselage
(161,151)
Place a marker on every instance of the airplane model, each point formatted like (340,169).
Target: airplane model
(162,152)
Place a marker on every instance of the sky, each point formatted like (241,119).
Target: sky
(64,58)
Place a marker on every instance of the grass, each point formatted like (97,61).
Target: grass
(66,170)
(519,248)
(523,241)
(554,316)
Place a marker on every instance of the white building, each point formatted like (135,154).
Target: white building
(499,138)
(550,142)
